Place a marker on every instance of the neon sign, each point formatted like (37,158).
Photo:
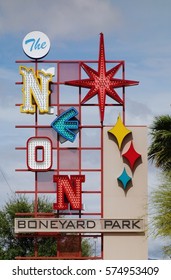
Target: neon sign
(39,149)
(36,146)
(69,188)
(36,44)
(68,163)
(33,89)
(66,125)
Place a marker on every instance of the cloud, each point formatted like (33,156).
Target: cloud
(138,113)
(67,19)
(8,74)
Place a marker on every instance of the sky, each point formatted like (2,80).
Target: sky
(135,31)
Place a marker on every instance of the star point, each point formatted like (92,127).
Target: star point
(120,131)
(124,178)
(131,156)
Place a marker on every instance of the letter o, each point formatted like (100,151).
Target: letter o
(39,153)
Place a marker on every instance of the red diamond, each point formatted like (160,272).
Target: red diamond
(131,155)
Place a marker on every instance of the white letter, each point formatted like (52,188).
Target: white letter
(32,88)
(36,161)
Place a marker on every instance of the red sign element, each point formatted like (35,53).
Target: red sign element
(39,153)
(132,156)
(101,82)
(69,188)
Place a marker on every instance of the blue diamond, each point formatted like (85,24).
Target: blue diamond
(124,179)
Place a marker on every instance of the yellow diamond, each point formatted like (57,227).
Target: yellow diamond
(119,131)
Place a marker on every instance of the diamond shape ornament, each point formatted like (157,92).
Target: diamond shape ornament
(119,131)
(124,178)
(132,156)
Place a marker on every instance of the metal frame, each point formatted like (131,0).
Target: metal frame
(57,149)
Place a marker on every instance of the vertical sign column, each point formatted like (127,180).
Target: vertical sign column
(125,192)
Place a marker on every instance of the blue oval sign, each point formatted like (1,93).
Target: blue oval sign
(36,44)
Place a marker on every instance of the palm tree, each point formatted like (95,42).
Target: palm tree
(160,148)
(160,153)
(161,212)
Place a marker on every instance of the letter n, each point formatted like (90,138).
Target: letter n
(35,90)
(70,189)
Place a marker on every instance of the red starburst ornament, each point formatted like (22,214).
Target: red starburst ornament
(101,82)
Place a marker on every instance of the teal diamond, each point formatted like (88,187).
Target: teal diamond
(124,179)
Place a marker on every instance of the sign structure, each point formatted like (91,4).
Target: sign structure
(94,170)
(78,225)
(36,44)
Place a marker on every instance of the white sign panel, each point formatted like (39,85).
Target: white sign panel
(78,225)
(36,44)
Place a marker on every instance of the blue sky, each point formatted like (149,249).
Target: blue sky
(135,31)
